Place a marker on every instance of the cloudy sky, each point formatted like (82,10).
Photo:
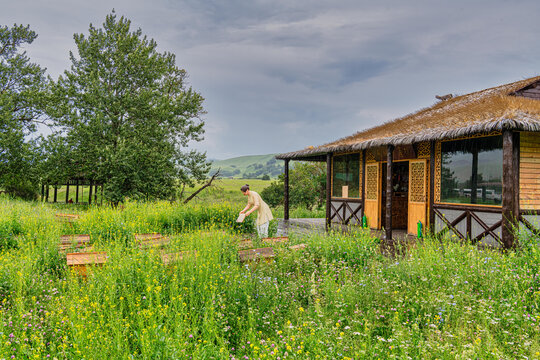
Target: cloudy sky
(278,75)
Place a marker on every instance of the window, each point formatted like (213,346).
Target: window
(346,172)
(471,171)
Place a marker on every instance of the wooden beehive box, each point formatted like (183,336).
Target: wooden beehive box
(298,247)
(266,253)
(67,217)
(80,261)
(275,240)
(169,258)
(77,241)
(151,240)
(149,236)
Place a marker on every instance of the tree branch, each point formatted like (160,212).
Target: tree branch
(216,175)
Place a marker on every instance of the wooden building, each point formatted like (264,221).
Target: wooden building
(468,165)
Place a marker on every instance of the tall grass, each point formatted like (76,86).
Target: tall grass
(337,299)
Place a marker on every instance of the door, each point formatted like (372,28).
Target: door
(373,195)
(418,194)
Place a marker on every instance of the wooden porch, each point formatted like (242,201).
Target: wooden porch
(308,226)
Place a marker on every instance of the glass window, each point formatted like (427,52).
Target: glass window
(471,171)
(346,172)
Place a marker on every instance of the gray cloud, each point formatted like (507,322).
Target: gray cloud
(282,75)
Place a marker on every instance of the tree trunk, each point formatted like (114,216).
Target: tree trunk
(216,175)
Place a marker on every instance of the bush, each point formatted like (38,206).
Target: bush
(307,187)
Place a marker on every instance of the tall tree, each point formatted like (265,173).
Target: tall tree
(22,92)
(127,113)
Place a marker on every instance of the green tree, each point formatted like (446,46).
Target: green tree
(22,92)
(127,115)
(307,186)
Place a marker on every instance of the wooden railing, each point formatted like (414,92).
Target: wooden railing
(340,213)
(527,223)
(468,214)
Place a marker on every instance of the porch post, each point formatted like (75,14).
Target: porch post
(286,191)
(432,186)
(508,196)
(67,191)
(55,192)
(42,191)
(516,155)
(363,190)
(77,192)
(328,190)
(389,190)
(47,194)
(90,193)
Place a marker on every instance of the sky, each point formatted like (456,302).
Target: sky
(278,76)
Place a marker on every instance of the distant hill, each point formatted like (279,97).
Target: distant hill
(249,167)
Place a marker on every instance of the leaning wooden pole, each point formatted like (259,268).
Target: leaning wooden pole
(286,191)
(328,190)
(389,191)
(508,197)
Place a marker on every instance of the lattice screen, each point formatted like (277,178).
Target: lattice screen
(361,171)
(372,177)
(370,157)
(437,181)
(418,181)
(424,150)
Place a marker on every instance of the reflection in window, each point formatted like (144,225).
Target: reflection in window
(346,173)
(471,171)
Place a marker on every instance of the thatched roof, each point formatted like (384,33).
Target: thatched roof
(493,109)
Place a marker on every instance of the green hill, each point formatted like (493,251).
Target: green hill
(249,167)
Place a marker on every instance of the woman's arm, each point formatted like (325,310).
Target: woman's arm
(252,210)
(246,208)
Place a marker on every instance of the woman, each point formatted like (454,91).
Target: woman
(264,215)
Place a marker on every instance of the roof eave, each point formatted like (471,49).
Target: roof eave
(428,135)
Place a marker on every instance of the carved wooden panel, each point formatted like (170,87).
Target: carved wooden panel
(424,150)
(361,171)
(418,184)
(437,181)
(373,190)
(372,181)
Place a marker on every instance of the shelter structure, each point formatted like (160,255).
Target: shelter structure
(468,165)
(78,185)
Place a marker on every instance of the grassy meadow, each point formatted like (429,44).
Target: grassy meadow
(339,298)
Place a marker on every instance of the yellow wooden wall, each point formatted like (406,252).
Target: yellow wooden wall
(529,171)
